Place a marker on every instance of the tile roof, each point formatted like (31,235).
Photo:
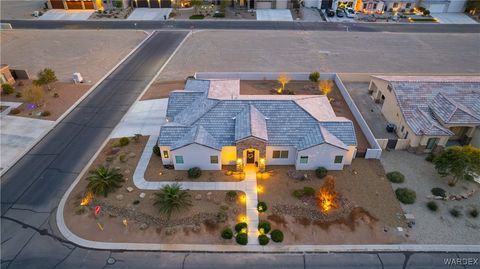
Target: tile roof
(429,102)
(197,135)
(281,122)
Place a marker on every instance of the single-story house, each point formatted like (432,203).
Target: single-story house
(88,4)
(209,124)
(432,112)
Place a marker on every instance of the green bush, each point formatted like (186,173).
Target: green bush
(156,150)
(308,191)
(263,239)
(15,111)
(241,239)
(298,193)
(231,195)
(439,192)
(426,12)
(227,233)
(314,76)
(7,89)
(473,213)
(455,213)
(430,157)
(432,206)
(265,225)
(241,225)
(197,17)
(405,195)
(18,95)
(321,172)
(396,177)
(124,141)
(262,207)
(219,15)
(122,157)
(136,202)
(277,236)
(46,113)
(194,172)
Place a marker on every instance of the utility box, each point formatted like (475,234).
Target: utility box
(77,78)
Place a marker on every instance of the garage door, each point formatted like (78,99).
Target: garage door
(264,5)
(88,4)
(326,4)
(140,3)
(74,4)
(166,3)
(281,4)
(456,6)
(154,4)
(437,8)
(57,4)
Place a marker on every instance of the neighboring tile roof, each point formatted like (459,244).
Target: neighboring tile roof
(428,102)
(279,121)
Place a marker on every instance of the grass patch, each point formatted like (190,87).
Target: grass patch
(197,17)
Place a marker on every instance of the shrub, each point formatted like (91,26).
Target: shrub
(136,202)
(241,225)
(455,213)
(439,192)
(265,225)
(396,177)
(430,157)
(308,191)
(405,195)
(473,213)
(123,157)
(262,207)
(219,15)
(314,76)
(231,195)
(194,172)
(227,233)
(321,172)
(277,236)
(7,89)
(18,95)
(197,17)
(298,193)
(172,198)
(104,180)
(241,238)
(56,95)
(45,77)
(15,111)
(432,206)
(124,141)
(426,12)
(46,113)
(263,239)
(156,150)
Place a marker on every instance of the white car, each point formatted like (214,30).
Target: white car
(349,13)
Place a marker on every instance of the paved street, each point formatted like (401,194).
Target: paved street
(32,189)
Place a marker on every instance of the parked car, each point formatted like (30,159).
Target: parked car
(350,13)
(330,12)
(340,13)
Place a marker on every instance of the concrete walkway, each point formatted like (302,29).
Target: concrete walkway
(249,186)
(453,18)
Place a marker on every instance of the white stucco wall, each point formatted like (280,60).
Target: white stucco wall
(292,154)
(321,155)
(166,160)
(195,155)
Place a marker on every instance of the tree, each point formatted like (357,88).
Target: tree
(197,4)
(172,198)
(45,77)
(325,86)
(34,94)
(283,79)
(458,162)
(104,180)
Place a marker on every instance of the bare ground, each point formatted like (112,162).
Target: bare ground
(162,89)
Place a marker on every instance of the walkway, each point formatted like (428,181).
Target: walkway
(274,15)
(249,186)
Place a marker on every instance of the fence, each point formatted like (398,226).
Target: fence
(396,144)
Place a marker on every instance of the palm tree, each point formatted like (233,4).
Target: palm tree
(172,198)
(104,180)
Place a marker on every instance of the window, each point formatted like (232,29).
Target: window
(280,154)
(338,159)
(179,159)
(214,159)
(375,6)
(403,128)
(406,135)
(408,5)
(303,159)
(364,5)
(431,143)
(165,154)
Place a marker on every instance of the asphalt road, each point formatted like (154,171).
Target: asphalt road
(247,25)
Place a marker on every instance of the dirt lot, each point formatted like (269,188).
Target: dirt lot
(162,89)
(197,225)
(91,52)
(369,206)
(68,94)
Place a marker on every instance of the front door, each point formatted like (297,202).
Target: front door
(250,156)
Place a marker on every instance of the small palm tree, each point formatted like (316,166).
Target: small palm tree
(104,180)
(172,198)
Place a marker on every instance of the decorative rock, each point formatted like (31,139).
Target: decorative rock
(127,171)
(129,189)
(118,167)
(132,154)
(170,231)
(142,195)
(112,214)
(143,226)
(196,228)
(114,150)
(198,197)
(216,201)
(209,193)
(119,197)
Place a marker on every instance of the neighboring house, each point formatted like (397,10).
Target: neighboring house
(264,4)
(431,112)
(5,75)
(399,6)
(87,4)
(372,6)
(443,6)
(210,124)
(376,6)
(151,3)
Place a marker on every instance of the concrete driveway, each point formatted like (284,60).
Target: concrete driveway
(66,15)
(274,15)
(149,14)
(453,18)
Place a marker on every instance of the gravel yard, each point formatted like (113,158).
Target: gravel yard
(91,52)
(435,227)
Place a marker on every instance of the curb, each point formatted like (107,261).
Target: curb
(44,133)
